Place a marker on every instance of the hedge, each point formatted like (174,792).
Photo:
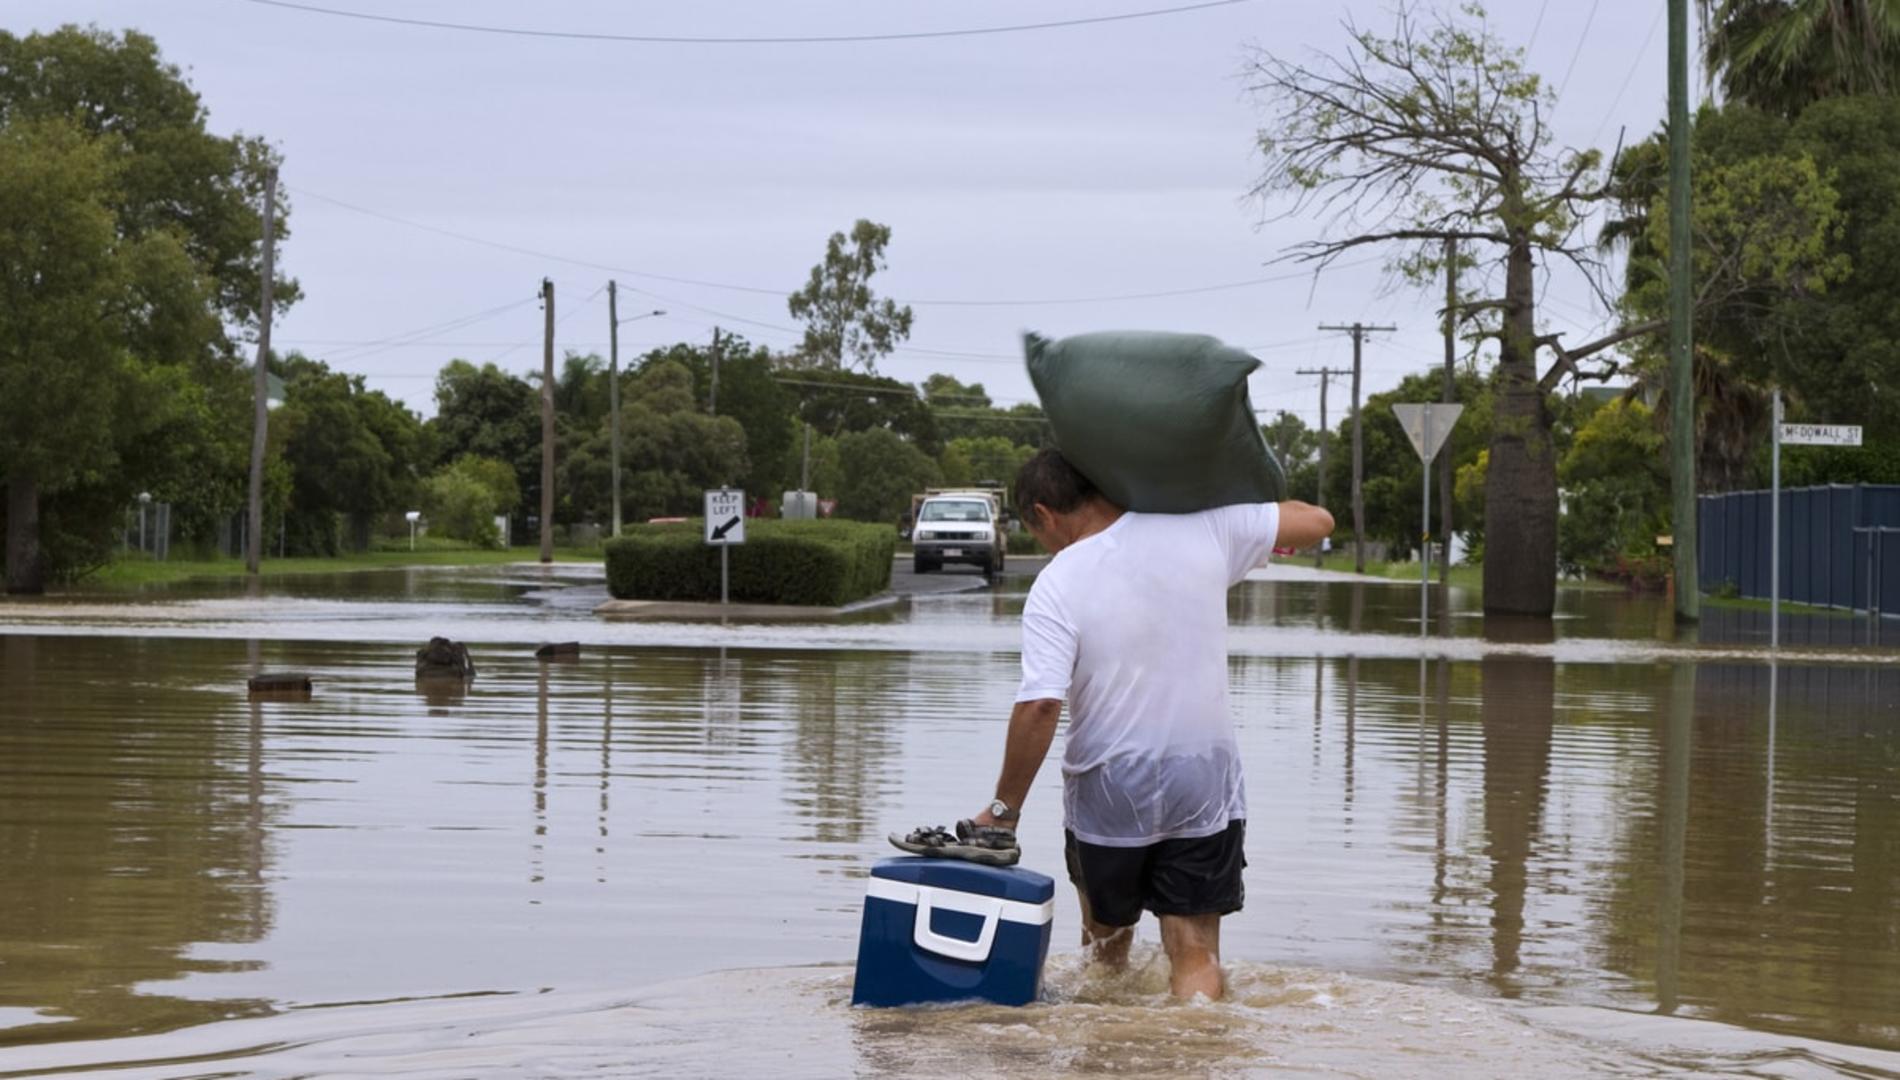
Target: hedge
(818,563)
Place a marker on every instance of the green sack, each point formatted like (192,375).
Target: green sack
(1160,422)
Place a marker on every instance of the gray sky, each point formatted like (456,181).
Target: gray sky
(1098,160)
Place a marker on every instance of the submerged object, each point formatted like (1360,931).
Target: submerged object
(563,650)
(444,659)
(282,682)
(939,930)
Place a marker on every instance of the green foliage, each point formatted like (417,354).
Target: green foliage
(1023,542)
(880,473)
(820,563)
(749,393)
(462,499)
(972,461)
(1392,469)
(837,402)
(352,451)
(1468,503)
(1811,208)
(845,322)
(1615,479)
(1783,55)
(489,413)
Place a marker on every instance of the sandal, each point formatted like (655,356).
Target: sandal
(971,843)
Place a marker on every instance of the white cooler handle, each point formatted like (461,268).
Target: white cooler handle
(990,907)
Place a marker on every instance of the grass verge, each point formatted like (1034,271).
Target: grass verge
(137,573)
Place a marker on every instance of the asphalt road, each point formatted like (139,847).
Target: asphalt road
(906,581)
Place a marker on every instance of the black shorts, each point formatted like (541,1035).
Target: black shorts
(1200,876)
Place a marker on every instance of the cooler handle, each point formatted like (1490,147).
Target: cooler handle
(990,907)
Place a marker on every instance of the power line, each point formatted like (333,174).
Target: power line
(815,39)
(1637,62)
(1578,52)
(757,290)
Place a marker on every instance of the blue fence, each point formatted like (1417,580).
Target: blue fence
(1840,545)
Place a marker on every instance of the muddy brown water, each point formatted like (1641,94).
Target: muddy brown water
(1568,849)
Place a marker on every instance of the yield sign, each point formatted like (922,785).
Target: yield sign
(1427,426)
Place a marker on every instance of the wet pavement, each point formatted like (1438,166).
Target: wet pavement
(1580,847)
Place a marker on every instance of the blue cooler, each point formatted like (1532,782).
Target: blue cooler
(940,930)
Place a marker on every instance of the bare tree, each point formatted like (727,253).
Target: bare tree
(1438,132)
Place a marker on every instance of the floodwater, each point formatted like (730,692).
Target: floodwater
(1567,849)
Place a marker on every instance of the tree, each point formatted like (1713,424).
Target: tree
(185,205)
(1783,55)
(1392,466)
(489,413)
(838,402)
(880,473)
(749,392)
(63,369)
(462,499)
(671,451)
(1789,216)
(845,322)
(1616,487)
(352,451)
(1435,133)
(976,461)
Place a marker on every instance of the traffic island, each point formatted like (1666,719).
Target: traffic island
(676,609)
(767,569)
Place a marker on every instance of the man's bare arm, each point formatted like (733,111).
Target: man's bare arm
(1032,727)
(1302,525)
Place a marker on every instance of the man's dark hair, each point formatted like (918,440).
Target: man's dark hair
(1049,479)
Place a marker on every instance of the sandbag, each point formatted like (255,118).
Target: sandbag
(1160,422)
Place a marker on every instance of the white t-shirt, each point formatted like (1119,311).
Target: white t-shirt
(1129,626)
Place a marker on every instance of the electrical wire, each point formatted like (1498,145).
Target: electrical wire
(1642,53)
(762,291)
(815,39)
(1582,38)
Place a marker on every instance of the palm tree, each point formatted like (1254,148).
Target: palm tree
(1781,55)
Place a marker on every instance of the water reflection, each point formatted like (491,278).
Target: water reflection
(134,836)
(1701,840)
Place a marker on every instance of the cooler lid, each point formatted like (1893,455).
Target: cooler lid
(1006,882)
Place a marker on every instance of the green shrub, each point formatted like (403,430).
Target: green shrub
(818,563)
(1023,542)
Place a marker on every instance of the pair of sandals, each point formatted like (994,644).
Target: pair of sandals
(986,844)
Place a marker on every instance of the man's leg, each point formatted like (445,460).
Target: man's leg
(1107,945)
(1193,946)
(1113,874)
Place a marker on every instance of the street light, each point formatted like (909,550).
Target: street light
(145,500)
(413,516)
(614,322)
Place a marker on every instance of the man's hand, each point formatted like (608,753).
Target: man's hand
(1032,727)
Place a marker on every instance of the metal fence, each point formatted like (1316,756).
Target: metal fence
(1840,545)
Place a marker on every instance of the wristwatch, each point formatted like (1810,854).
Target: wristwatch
(1000,811)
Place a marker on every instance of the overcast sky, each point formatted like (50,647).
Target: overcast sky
(1088,161)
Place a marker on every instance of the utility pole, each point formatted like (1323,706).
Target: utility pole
(1319,498)
(1358,332)
(713,401)
(613,390)
(1682,407)
(260,385)
(1450,396)
(547,421)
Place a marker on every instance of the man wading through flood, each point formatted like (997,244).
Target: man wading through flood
(1128,624)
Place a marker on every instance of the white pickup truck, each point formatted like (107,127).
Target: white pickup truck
(959,527)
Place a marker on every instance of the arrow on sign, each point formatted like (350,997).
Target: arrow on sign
(720,532)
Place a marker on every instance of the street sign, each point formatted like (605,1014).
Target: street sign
(1428,426)
(725,517)
(1820,434)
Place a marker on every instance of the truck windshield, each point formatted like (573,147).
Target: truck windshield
(956,510)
